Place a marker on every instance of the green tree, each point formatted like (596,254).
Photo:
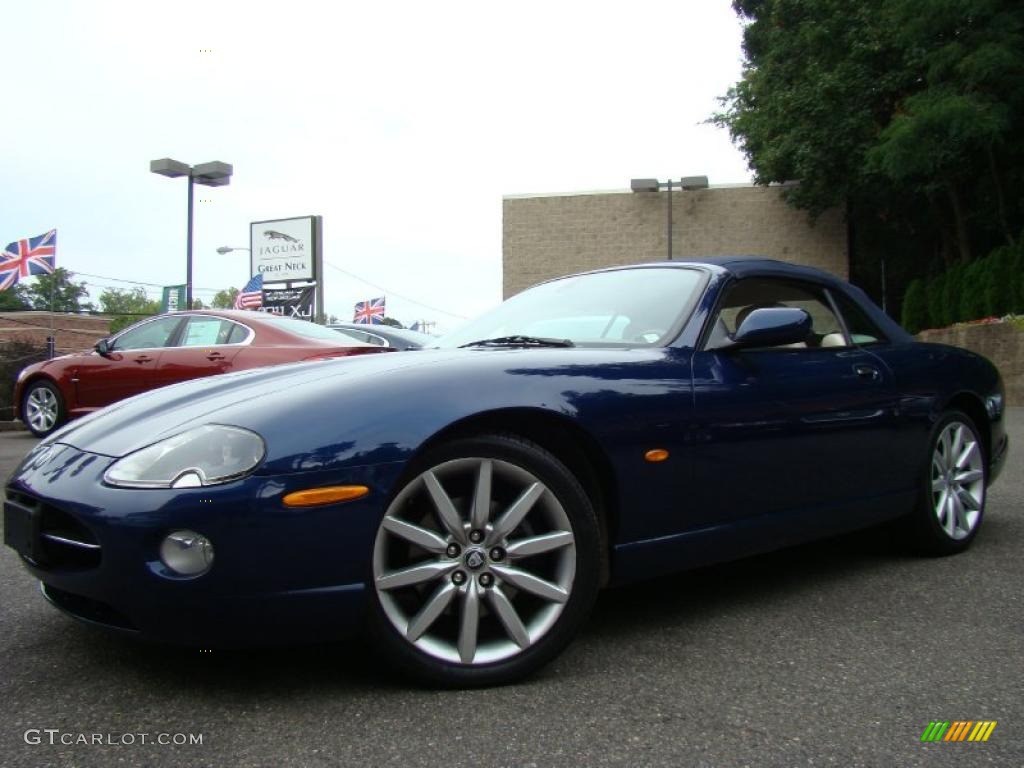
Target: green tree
(224,299)
(12,299)
(127,306)
(392,322)
(905,113)
(57,291)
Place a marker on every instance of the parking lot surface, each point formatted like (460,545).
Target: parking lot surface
(836,653)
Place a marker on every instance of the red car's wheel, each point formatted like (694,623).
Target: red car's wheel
(43,408)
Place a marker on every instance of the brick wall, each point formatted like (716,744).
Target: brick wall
(1002,343)
(72,332)
(545,237)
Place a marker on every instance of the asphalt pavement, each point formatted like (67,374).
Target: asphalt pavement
(836,653)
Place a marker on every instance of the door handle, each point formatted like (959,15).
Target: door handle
(143,359)
(215,356)
(868,372)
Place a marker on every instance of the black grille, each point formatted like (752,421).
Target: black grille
(63,541)
(86,608)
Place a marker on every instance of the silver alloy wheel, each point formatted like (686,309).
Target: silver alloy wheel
(958,480)
(474,561)
(42,408)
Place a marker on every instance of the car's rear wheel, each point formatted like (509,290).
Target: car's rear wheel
(43,408)
(952,502)
(485,563)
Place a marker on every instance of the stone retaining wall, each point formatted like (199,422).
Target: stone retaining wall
(1002,343)
(73,332)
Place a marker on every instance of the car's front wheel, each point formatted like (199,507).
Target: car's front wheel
(485,563)
(43,408)
(952,502)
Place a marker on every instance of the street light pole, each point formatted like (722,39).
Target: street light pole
(188,247)
(653,185)
(213,174)
(669,217)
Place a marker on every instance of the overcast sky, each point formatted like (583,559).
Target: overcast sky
(401,123)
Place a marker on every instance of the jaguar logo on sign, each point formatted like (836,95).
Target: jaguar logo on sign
(272,234)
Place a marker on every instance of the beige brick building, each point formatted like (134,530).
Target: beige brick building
(553,235)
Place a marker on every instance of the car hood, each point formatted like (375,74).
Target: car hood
(373,408)
(246,398)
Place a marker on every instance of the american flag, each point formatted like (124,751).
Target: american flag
(251,296)
(370,312)
(31,256)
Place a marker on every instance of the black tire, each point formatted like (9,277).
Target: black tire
(39,394)
(507,456)
(930,532)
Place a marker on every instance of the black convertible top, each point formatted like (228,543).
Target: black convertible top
(750,266)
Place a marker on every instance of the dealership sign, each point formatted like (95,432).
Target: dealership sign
(290,302)
(173,298)
(286,250)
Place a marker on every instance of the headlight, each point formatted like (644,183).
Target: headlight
(206,455)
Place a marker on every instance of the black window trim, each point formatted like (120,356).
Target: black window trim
(171,339)
(709,324)
(880,339)
(180,333)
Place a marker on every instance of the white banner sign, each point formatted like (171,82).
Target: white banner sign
(285,249)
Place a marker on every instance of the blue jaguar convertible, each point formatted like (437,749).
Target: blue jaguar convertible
(463,505)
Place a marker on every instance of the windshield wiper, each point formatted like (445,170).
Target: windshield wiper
(520,341)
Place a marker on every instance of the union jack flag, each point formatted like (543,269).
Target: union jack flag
(31,256)
(251,296)
(370,312)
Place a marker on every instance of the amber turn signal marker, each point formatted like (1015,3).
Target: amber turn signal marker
(656,454)
(329,495)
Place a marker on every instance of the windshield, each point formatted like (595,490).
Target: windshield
(622,307)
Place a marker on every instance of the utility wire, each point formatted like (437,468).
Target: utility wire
(394,293)
(140,282)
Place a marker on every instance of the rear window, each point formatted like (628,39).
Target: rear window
(306,328)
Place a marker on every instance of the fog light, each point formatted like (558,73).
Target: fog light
(187,553)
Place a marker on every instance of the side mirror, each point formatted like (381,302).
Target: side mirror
(772,327)
(103,347)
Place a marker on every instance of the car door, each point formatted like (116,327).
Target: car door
(801,427)
(128,367)
(206,346)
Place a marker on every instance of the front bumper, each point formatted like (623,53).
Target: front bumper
(280,575)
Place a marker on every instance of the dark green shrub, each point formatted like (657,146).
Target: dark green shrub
(936,295)
(998,281)
(1015,276)
(952,295)
(972,294)
(915,307)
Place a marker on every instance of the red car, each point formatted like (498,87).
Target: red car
(164,350)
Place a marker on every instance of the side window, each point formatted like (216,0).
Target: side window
(207,331)
(149,335)
(238,334)
(357,335)
(861,327)
(744,296)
